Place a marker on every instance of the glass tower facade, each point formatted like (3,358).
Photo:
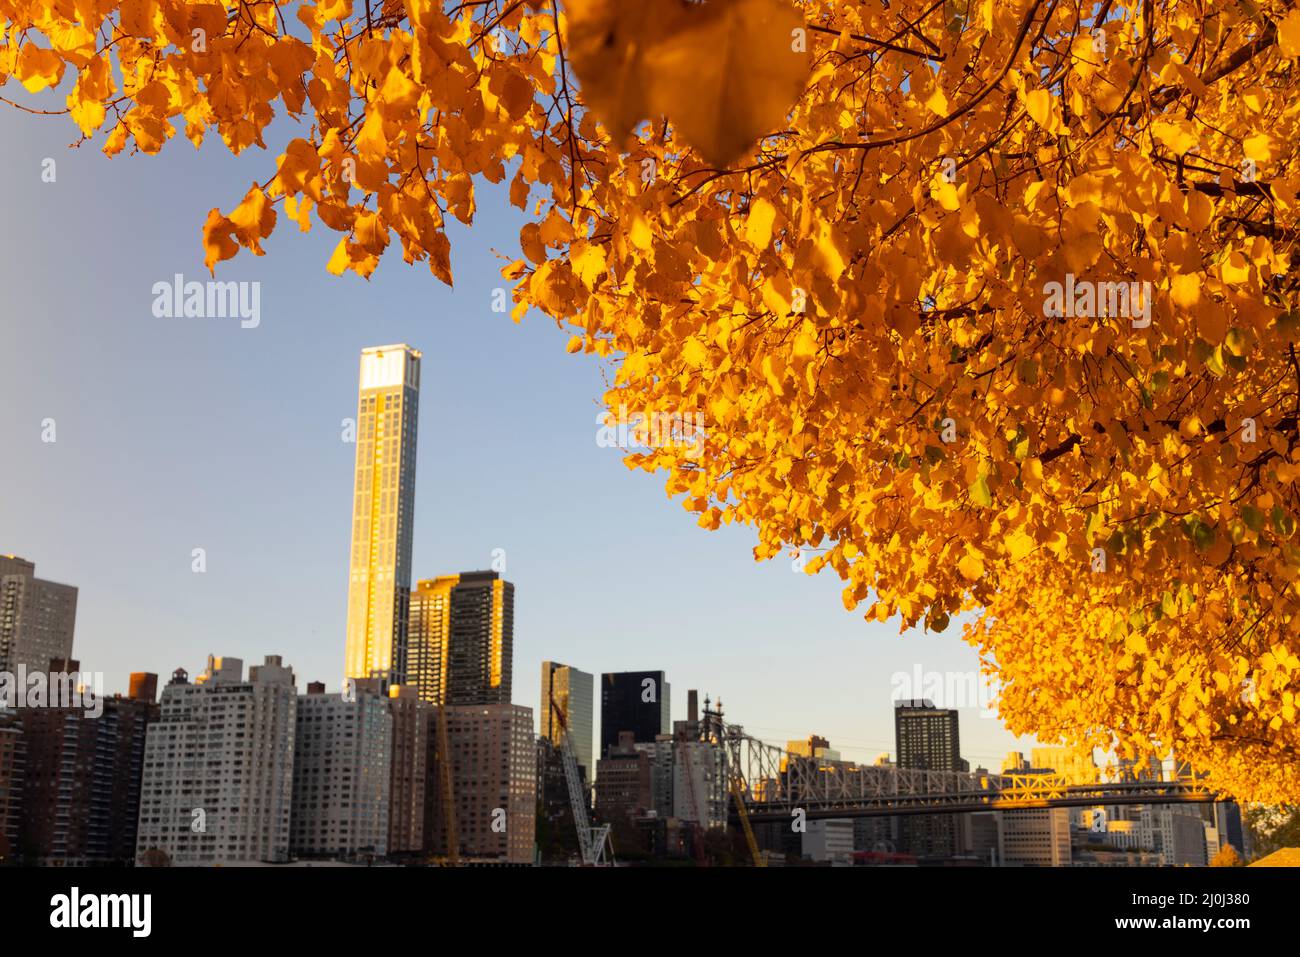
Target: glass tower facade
(383,512)
(572,691)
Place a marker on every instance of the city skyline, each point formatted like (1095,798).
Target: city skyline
(245,459)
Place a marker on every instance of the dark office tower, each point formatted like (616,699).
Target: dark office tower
(635,701)
(927,739)
(81,795)
(460,639)
(37,617)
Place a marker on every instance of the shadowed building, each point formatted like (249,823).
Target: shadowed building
(406,790)
(342,764)
(635,701)
(81,793)
(13,760)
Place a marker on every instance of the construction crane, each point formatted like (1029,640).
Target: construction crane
(743,814)
(591,840)
(452,858)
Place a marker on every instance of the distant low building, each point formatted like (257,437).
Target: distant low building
(1035,837)
(829,841)
(623,782)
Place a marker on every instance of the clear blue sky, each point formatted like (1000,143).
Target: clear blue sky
(175,434)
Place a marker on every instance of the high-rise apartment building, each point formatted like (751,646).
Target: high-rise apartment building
(37,617)
(342,763)
(571,691)
(635,701)
(927,739)
(461,639)
(494,784)
(383,512)
(13,767)
(218,768)
(81,792)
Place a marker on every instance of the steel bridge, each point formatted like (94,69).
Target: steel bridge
(774,783)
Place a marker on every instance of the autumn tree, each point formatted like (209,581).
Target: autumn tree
(1227,856)
(987,305)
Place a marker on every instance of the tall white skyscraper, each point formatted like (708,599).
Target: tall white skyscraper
(383,512)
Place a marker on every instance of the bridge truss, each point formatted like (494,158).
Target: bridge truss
(774,783)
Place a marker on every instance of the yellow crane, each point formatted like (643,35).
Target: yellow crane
(743,814)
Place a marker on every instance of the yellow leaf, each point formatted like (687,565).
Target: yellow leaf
(588,263)
(1175,134)
(340,261)
(38,68)
(971,566)
(724,73)
(1185,290)
(1258,147)
(758,225)
(1044,109)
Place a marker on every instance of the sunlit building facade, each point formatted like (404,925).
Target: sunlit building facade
(572,692)
(383,512)
(461,639)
